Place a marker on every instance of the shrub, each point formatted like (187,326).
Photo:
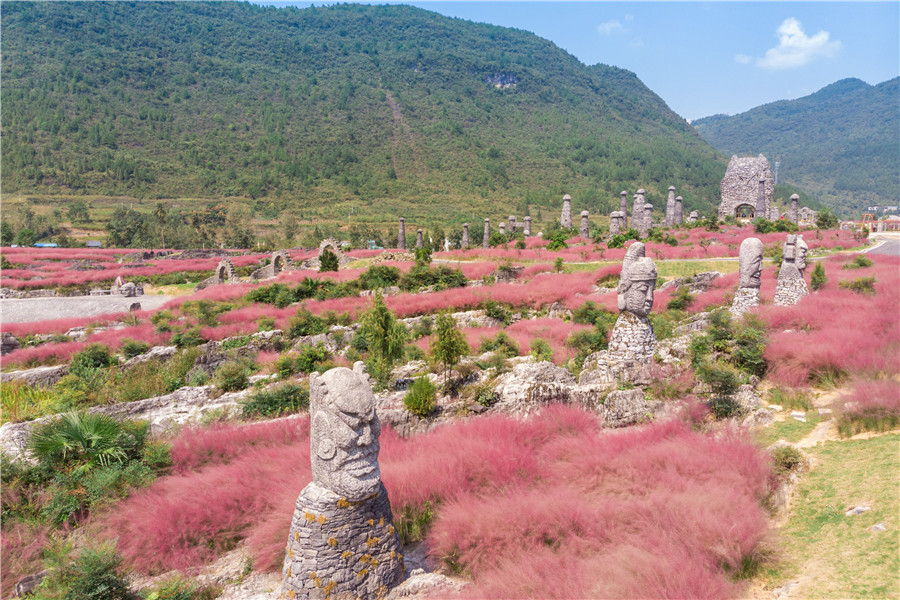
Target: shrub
(97,574)
(328,261)
(419,400)
(311,357)
(232,376)
(818,279)
(305,323)
(586,342)
(750,346)
(860,261)
(826,219)
(558,264)
(449,344)
(498,311)
(681,299)
(284,399)
(188,338)
(379,276)
(541,350)
(131,348)
(557,240)
(861,285)
(91,439)
(501,344)
(786,459)
(85,363)
(384,337)
(618,241)
(176,588)
(21,402)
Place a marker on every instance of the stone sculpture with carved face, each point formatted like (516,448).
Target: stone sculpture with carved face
(751,259)
(802,249)
(344,433)
(638,293)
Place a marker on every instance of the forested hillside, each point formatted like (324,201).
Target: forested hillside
(840,144)
(381,111)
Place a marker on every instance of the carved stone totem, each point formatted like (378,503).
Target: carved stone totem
(632,336)
(751,259)
(693,217)
(342,542)
(646,220)
(465,236)
(527,229)
(623,207)
(679,210)
(584,229)
(485,242)
(791,287)
(418,238)
(401,237)
(565,218)
(670,207)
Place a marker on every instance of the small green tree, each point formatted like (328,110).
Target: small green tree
(449,344)
(558,264)
(384,336)
(818,279)
(826,219)
(419,400)
(328,261)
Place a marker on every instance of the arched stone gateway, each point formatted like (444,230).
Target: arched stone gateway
(744,211)
(281,260)
(748,180)
(332,245)
(224,273)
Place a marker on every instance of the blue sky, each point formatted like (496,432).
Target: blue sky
(705,58)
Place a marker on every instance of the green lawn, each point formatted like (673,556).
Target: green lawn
(837,556)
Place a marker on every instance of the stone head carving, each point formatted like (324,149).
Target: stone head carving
(344,432)
(637,297)
(751,259)
(802,249)
(789,251)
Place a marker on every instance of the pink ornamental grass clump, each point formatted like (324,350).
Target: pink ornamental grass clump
(547,507)
(870,405)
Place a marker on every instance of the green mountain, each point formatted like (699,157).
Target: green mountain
(839,144)
(379,110)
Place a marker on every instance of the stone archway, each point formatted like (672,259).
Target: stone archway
(281,260)
(225,271)
(335,248)
(744,211)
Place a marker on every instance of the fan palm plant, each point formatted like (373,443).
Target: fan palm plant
(89,438)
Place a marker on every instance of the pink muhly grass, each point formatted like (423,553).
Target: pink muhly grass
(22,546)
(547,507)
(43,354)
(532,270)
(475,270)
(55,325)
(553,331)
(226,331)
(144,332)
(870,405)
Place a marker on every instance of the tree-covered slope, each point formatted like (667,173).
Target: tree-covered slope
(840,143)
(386,109)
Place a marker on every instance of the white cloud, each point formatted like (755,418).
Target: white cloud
(743,59)
(796,49)
(610,27)
(637,42)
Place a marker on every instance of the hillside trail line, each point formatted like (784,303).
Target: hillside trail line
(402,140)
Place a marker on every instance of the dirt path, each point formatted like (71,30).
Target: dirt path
(402,142)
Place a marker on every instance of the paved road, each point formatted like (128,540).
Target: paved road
(889,247)
(39,309)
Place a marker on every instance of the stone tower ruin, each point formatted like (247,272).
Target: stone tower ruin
(741,186)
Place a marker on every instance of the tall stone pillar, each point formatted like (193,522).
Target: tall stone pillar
(679,210)
(527,229)
(637,210)
(647,221)
(670,207)
(750,268)
(565,219)
(795,207)
(418,238)
(465,236)
(401,237)
(512,225)
(584,230)
(623,208)
(761,208)
(485,243)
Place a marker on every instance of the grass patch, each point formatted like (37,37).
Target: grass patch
(837,556)
(790,430)
(688,268)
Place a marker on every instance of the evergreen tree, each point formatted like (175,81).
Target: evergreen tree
(384,336)
(328,261)
(818,279)
(449,344)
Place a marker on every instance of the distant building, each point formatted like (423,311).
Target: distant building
(46,245)
(94,244)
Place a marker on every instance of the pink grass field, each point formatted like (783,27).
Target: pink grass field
(836,331)
(551,507)
(873,400)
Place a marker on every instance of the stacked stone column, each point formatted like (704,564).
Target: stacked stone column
(795,207)
(670,207)
(485,242)
(511,227)
(401,237)
(584,230)
(623,208)
(527,229)
(565,219)
(637,210)
(465,235)
(679,210)
(418,238)
(616,220)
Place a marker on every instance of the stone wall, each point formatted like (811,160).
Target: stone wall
(741,185)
